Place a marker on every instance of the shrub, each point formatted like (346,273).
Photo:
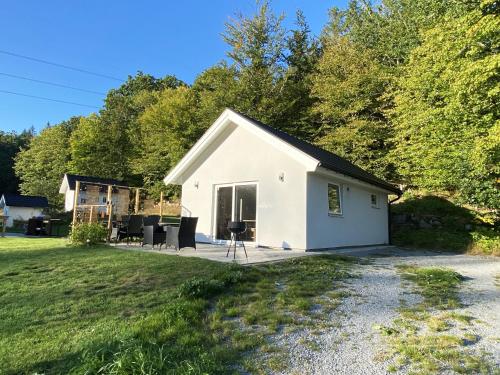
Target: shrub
(485,241)
(88,233)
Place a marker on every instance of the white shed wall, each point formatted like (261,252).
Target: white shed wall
(360,223)
(241,156)
(21,213)
(69,198)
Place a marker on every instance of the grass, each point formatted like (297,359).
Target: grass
(419,338)
(438,286)
(87,310)
(451,234)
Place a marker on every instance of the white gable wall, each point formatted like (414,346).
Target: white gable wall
(21,213)
(69,200)
(241,156)
(359,224)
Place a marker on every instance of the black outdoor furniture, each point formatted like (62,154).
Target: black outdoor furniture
(133,228)
(151,220)
(237,228)
(183,235)
(154,235)
(35,227)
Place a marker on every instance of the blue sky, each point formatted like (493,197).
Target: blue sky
(115,38)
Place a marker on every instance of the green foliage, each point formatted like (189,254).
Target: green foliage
(41,166)
(405,89)
(446,114)
(88,234)
(10,145)
(451,233)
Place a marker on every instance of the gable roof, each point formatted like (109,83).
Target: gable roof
(72,178)
(325,158)
(14,200)
(314,156)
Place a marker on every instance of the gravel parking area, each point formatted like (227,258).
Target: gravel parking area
(353,346)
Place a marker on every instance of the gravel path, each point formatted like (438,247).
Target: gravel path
(353,346)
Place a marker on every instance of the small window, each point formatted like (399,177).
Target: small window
(334,200)
(374,200)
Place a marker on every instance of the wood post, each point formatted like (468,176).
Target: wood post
(75,201)
(91,213)
(109,211)
(109,199)
(109,222)
(161,204)
(136,209)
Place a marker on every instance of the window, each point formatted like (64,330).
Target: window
(334,200)
(374,200)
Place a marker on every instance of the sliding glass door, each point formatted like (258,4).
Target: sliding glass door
(236,202)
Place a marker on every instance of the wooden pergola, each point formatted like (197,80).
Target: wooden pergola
(109,202)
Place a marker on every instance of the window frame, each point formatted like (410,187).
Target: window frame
(339,190)
(376,205)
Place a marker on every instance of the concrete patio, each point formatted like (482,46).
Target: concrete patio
(255,255)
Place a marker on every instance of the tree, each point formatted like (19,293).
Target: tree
(41,166)
(447,109)
(257,51)
(296,100)
(216,89)
(350,87)
(168,129)
(10,145)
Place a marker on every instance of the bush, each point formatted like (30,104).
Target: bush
(485,241)
(88,233)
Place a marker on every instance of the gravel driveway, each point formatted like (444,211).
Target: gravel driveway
(353,346)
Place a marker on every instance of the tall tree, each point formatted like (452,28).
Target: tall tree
(168,129)
(350,88)
(447,113)
(296,100)
(10,145)
(41,166)
(257,50)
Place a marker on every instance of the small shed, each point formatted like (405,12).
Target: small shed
(21,207)
(93,191)
(290,193)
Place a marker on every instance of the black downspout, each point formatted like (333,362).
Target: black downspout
(389,216)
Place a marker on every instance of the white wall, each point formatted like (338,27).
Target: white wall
(21,213)
(245,157)
(360,223)
(69,200)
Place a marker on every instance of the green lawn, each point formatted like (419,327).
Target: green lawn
(87,310)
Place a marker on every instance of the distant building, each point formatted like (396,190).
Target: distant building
(22,207)
(94,191)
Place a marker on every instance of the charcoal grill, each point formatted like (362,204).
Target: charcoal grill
(237,228)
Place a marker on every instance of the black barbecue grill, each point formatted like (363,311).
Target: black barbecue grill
(237,228)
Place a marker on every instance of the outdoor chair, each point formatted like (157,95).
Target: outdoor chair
(154,235)
(183,235)
(132,229)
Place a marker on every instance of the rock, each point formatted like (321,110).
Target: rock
(424,224)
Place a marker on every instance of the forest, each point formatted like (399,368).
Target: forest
(405,89)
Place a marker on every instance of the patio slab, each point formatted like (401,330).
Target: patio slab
(255,255)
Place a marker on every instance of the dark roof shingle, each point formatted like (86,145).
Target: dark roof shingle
(25,201)
(72,178)
(326,159)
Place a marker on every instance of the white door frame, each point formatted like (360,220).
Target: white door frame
(215,208)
